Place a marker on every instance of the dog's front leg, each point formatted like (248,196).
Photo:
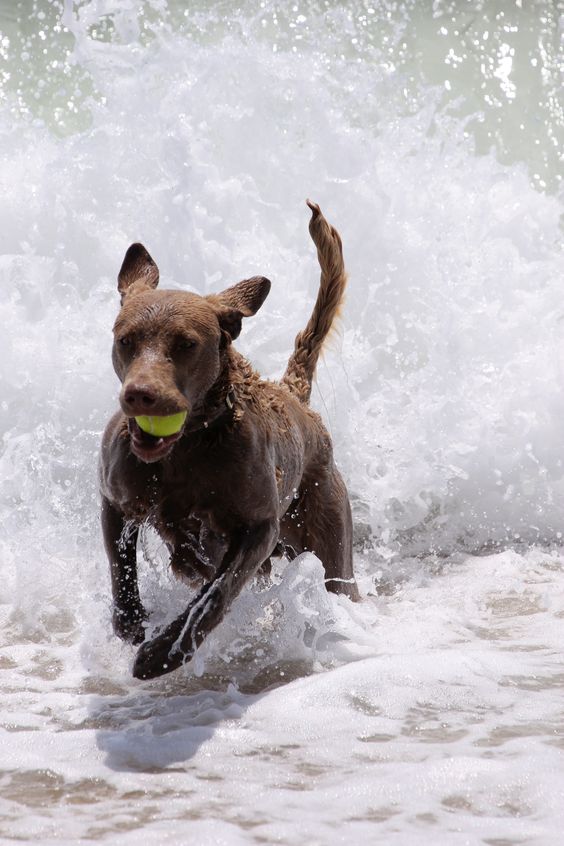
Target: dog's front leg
(177,643)
(121,548)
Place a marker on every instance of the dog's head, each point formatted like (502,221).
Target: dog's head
(169,345)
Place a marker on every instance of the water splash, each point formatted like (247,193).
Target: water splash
(201,134)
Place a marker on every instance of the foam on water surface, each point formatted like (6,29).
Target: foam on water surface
(432,710)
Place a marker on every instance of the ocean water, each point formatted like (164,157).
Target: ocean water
(431,134)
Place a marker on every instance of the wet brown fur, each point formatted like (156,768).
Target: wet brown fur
(303,361)
(250,475)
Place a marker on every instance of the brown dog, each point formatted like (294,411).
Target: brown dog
(251,472)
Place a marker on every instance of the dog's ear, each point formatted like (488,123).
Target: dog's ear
(137,266)
(241,300)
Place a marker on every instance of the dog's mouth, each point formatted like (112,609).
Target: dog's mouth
(150,447)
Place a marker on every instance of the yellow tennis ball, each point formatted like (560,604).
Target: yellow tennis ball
(162,427)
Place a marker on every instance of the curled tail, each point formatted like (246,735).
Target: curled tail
(303,361)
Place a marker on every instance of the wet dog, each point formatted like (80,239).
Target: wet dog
(249,474)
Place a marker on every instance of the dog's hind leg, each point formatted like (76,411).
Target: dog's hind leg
(327,530)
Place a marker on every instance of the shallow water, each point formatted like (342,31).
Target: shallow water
(431,135)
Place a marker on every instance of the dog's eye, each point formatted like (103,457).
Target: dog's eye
(183,344)
(125,341)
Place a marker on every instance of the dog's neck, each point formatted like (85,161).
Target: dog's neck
(219,406)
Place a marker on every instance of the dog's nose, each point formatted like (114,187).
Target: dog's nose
(140,396)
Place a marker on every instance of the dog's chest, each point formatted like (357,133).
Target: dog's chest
(193,531)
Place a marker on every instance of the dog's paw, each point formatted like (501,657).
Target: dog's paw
(158,657)
(129,626)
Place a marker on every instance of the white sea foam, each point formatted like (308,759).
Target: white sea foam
(431,711)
